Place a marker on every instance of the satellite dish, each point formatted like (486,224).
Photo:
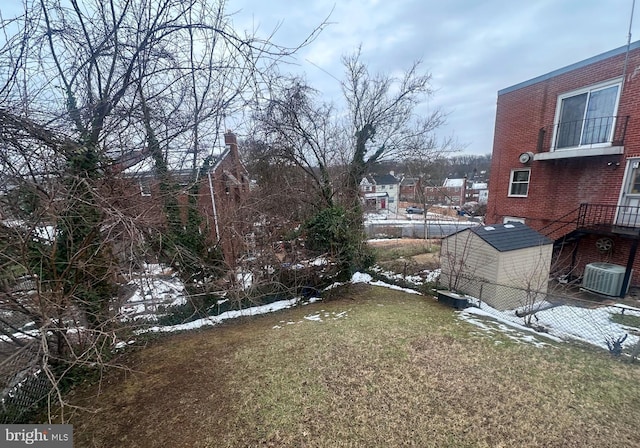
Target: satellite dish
(526,157)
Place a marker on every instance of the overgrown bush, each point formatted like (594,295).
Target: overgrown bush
(338,233)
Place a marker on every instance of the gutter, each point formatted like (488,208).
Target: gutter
(213,205)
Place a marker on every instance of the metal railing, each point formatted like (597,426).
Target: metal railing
(596,215)
(564,224)
(583,133)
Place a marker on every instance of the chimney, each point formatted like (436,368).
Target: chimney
(231,142)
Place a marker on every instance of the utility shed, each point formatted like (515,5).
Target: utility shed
(500,264)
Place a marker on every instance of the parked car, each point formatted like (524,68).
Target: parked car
(416,210)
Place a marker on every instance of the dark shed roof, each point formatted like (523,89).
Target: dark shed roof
(510,236)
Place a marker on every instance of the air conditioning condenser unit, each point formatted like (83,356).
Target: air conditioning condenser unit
(604,278)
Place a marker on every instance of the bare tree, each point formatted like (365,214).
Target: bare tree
(336,148)
(383,120)
(89,88)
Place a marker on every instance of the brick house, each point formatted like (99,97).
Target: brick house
(410,189)
(220,191)
(566,161)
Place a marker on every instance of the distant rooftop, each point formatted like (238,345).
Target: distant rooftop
(385,179)
(453,183)
(409,181)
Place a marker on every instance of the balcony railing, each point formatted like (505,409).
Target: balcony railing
(588,133)
(605,215)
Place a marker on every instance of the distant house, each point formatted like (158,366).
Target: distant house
(410,189)
(566,160)
(381,192)
(490,261)
(479,192)
(220,189)
(449,193)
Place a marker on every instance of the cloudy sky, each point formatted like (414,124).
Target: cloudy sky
(472,48)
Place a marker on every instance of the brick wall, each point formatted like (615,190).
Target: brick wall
(560,186)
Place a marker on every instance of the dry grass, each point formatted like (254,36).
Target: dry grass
(407,256)
(392,370)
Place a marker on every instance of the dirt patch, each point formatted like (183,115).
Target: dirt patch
(407,255)
(400,242)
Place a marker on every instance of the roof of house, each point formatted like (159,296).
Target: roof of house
(409,181)
(568,68)
(510,236)
(367,180)
(453,182)
(385,179)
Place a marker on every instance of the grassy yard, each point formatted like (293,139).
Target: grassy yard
(370,368)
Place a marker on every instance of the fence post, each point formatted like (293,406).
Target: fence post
(480,295)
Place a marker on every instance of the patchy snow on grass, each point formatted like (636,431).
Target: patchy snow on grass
(425,276)
(316,317)
(214,320)
(498,324)
(561,323)
(319,316)
(360,277)
(378,240)
(156,289)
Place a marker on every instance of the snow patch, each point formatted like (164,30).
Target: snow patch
(563,322)
(214,320)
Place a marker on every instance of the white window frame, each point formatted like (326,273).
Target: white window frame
(511,183)
(145,187)
(589,89)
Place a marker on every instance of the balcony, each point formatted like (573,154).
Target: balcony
(615,219)
(582,138)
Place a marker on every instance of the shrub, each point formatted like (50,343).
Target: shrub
(339,233)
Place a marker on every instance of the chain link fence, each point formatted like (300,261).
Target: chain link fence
(24,386)
(562,311)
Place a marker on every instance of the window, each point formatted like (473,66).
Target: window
(587,116)
(145,187)
(508,219)
(519,184)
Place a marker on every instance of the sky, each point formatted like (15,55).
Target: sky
(472,48)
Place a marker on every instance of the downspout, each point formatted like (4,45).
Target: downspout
(213,205)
